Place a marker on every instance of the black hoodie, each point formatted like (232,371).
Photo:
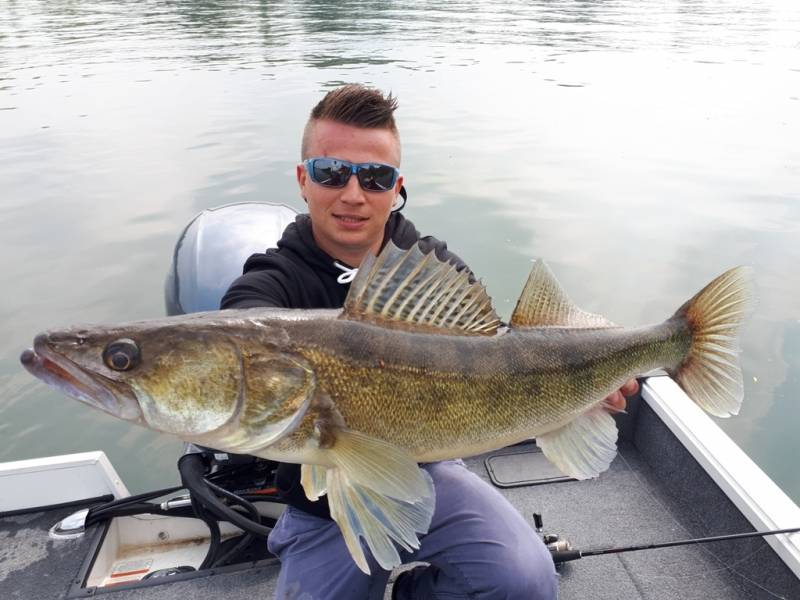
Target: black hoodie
(298,274)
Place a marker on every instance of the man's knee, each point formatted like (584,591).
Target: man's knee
(528,584)
(511,581)
(524,577)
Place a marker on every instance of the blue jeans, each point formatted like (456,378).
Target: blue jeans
(480,547)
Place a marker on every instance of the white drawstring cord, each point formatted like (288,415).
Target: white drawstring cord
(348,275)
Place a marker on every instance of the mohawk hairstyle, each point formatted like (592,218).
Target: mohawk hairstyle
(354,104)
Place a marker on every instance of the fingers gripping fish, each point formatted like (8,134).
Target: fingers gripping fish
(415,368)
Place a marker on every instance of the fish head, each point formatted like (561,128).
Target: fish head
(71,362)
(198,380)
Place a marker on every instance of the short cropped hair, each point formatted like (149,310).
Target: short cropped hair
(356,105)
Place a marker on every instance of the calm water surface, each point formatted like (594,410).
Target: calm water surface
(641,148)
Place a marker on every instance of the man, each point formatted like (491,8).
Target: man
(478,545)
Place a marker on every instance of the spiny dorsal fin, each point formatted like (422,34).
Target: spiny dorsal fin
(543,303)
(411,290)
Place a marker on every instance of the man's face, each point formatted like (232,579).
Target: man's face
(348,222)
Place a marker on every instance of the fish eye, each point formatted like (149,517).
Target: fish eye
(122,355)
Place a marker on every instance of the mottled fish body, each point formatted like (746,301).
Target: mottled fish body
(415,368)
(441,396)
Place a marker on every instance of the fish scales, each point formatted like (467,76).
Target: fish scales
(443,396)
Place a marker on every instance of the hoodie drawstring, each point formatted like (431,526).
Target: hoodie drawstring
(348,275)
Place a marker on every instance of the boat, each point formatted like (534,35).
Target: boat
(69,527)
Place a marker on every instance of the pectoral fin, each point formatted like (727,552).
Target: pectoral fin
(584,447)
(314,479)
(375,491)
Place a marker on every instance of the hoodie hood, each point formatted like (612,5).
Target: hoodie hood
(298,239)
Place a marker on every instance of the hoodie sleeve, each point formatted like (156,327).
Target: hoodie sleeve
(264,283)
(430,243)
(404,234)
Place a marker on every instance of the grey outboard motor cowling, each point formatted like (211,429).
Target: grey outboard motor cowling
(212,249)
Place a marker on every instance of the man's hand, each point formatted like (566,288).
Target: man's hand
(616,402)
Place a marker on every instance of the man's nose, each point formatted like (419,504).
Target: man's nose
(352,191)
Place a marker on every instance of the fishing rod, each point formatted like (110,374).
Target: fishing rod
(562,551)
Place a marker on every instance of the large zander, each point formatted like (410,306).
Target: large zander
(415,368)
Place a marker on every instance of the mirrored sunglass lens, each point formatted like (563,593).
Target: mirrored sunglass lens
(333,173)
(377,178)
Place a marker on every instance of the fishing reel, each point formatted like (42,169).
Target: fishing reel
(560,549)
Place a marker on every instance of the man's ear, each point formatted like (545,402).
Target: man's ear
(302,176)
(400,196)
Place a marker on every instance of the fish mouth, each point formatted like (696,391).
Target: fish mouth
(88,387)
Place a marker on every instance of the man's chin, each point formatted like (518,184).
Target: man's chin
(348,243)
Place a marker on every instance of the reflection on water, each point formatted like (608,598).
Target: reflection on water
(641,148)
(246,34)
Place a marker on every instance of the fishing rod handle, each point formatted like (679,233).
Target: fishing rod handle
(562,556)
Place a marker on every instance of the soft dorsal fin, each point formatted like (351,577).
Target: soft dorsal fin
(543,303)
(410,290)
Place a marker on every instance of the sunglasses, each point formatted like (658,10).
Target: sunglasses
(335,173)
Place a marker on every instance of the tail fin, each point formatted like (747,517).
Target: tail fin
(710,373)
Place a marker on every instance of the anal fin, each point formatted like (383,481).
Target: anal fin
(584,447)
